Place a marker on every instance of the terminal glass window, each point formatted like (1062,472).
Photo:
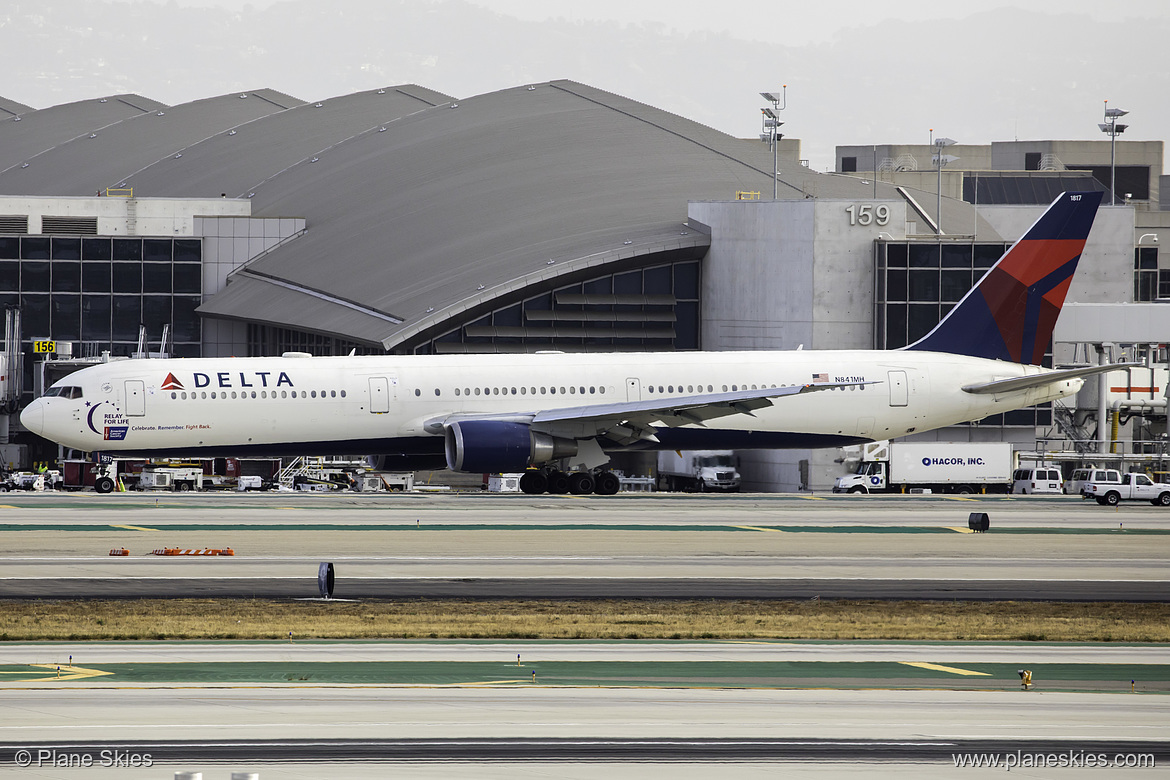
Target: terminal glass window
(95,291)
(918,282)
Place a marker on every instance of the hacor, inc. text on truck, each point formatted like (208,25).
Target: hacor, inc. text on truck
(940,467)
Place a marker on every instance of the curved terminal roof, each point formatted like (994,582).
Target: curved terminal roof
(237,159)
(107,156)
(23,138)
(456,207)
(423,212)
(10,108)
(466,207)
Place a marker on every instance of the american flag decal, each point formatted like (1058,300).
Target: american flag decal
(820,378)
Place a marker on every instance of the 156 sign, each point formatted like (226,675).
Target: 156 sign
(44,347)
(868,215)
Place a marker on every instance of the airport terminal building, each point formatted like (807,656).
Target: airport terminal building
(550,216)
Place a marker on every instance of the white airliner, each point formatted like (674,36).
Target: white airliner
(559,415)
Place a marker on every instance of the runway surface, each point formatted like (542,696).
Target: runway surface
(594,710)
(854,718)
(628,546)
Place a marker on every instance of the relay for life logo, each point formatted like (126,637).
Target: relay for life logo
(113,425)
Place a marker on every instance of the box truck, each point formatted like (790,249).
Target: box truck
(698,470)
(935,467)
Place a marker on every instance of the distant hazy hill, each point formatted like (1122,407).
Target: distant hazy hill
(994,76)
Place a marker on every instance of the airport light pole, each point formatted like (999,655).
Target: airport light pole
(1112,129)
(771,127)
(940,160)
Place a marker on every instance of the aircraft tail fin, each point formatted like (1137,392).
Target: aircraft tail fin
(1010,313)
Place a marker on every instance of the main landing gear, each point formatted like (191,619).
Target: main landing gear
(578,483)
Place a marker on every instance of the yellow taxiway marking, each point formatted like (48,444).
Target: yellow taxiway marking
(133,528)
(958,498)
(938,668)
(959,530)
(758,528)
(68,673)
(7,506)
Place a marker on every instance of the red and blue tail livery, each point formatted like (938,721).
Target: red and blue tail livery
(1010,313)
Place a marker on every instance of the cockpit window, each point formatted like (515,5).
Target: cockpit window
(65,391)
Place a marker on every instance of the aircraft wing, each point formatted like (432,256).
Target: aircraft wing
(632,420)
(1047,378)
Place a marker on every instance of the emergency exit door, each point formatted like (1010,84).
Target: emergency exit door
(135,398)
(899,389)
(379,395)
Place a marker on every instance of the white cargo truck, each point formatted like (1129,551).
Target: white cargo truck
(935,467)
(698,470)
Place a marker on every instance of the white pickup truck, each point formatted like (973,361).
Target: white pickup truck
(1133,487)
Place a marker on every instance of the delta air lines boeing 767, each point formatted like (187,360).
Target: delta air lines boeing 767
(560,415)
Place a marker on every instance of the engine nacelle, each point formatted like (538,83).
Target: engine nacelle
(492,446)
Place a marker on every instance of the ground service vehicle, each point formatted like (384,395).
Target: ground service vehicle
(937,467)
(1038,480)
(1081,477)
(704,471)
(1133,487)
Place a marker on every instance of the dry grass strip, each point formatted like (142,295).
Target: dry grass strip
(610,619)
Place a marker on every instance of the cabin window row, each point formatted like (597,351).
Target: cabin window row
(468,391)
(223,394)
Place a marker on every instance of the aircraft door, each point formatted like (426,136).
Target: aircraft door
(899,390)
(379,395)
(633,389)
(135,398)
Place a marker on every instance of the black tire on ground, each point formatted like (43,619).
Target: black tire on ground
(581,483)
(1101,501)
(533,483)
(1112,498)
(1163,500)
(857,489)
(184,487)
(558,483)
(607,484)
(965,490)
(103,485)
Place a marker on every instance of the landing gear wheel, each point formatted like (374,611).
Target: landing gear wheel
(103,485)
(608,484)
(581,483)
(533,483)
(558,483)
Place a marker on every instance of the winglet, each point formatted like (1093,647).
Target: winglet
(1010,313)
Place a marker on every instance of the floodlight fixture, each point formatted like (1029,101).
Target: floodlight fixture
(939,159)
(771,122)
(1111,128)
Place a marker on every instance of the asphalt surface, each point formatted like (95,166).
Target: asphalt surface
(543,588)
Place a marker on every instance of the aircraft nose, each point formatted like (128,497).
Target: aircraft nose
(33,417)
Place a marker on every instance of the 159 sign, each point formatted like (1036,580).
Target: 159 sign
(868,215)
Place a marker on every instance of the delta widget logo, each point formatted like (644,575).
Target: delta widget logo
(171,383)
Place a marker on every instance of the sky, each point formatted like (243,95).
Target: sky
(857,71)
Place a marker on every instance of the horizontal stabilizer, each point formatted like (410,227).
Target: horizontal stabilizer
(1047,378)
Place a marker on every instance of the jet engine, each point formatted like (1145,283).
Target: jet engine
(495,446)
